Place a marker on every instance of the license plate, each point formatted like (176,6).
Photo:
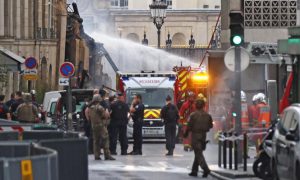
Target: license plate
(151,131)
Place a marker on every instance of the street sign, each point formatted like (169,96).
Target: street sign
(30,72)
(30,63)
(30,77)
(67,69)
(63,81)
(229,59)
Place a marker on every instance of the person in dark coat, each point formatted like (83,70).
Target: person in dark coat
(118,125)
(200,123)
(170,115)
(137,113)
(18,101)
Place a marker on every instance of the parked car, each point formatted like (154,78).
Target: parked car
(286,145)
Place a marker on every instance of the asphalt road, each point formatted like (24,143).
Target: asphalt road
(152,165)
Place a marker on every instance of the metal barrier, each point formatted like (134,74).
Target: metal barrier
(228,144)
(9,136)
(71,148)
(24,160)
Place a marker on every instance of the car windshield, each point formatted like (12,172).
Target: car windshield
(152,97)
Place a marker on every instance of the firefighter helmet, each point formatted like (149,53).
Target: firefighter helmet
(191,94)
(261,97)
(254,98)
(243,96)
(201,97)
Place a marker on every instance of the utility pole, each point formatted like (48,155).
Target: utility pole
(237,40)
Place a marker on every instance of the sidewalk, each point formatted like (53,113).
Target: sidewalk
(227,174)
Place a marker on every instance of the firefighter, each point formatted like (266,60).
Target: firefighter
(244,113)
(98,116)
(263,111)
(253,112)
(186,109)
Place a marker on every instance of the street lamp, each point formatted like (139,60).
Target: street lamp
(158,12)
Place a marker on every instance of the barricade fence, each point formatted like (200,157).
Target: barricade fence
(229,143)
(72,149)
(25,160)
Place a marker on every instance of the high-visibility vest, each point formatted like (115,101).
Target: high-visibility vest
(244,116)
(264,115)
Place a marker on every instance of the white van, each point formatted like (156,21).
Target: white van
(49,104)
(51,110)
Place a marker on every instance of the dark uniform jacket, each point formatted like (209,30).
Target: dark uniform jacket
(200,123)
(169,113)
(119,113)
(138,115)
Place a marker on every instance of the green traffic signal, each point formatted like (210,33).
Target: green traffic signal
(237,40)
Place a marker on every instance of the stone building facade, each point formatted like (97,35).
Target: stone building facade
(130,19)
(35,28)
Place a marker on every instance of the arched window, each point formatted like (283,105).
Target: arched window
(179,39)
(43,68)
(50,76)
(133,37)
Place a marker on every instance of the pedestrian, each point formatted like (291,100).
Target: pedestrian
(18,100)
(97,115)
(11,101)
(118,125)
(4,111)
(27,112)
(200,123)
(137,113)
(170,115)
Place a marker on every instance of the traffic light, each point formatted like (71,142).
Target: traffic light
(236,28)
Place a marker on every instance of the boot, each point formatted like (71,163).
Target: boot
(206,173)
(97,158)
(193,174)
(109,158)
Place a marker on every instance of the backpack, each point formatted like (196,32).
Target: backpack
(171,115)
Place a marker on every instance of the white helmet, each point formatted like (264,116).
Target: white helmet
(254,98)
(261,97)
(32,92)
(243,96)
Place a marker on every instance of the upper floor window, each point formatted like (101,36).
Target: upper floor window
(119,3)
(169,3)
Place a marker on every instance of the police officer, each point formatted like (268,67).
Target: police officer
(169,113)
(118,125)
(18,100)
(27,112)
(137,114)
(97,115)
(200,123)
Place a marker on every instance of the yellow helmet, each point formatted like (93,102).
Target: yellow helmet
(201,96)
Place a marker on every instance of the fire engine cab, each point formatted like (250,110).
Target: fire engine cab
(154,87)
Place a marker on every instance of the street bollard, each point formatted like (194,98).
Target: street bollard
(219,150)
(230,152)
(245,151)
(236,154)
(225,151)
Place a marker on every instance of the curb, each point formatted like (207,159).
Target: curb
(218,176)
